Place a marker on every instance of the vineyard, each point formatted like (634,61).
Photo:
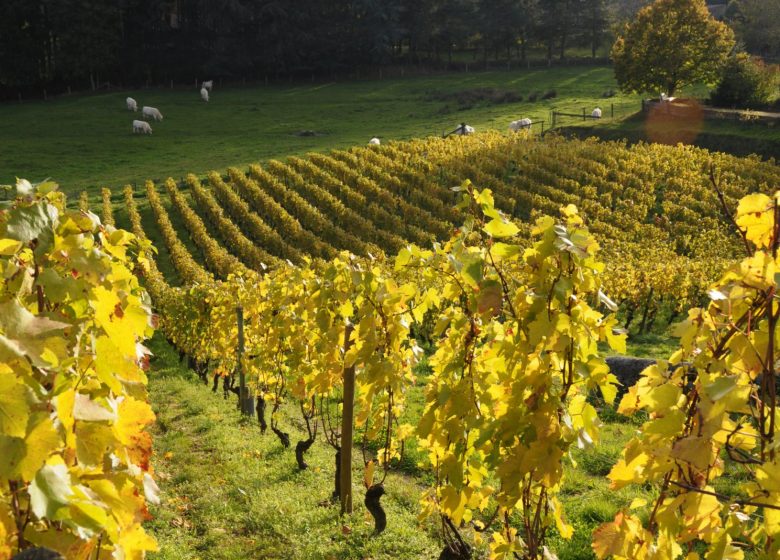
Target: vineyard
(503,267)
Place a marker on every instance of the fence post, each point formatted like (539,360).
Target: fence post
(347,418)
(612,109)
(583,113)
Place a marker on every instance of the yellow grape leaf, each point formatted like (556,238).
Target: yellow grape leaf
(93,440)
(755,216)
(498,228)
(109,315)
(135,541)
(695,450)
(623,538)
(502,546)
(9,246)
(67,544)
(111,366)
(768,476)
(133,416)
(90,518)
(40,443)
(617,342)
(14,410)
(662,397)
(503,251)
(723,549)
(453,503)
(625,473)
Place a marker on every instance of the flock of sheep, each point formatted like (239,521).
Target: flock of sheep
(462,129)
(144,127)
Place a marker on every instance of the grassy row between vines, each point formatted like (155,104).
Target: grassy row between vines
(231,493)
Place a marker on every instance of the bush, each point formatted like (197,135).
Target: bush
(747,83)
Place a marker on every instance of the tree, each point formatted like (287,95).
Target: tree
(746,83)
(757,23)
(24,44)
(594,22)
(671,44)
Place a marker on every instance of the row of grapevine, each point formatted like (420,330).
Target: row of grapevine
(342,216)
(274,214)
(217,258)
(107,209)
(633,201)
(251,255)
(309,216)
(250,222)
(379,215)
(187,268)
(75,473)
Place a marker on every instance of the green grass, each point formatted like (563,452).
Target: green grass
(85,142)
(229,492)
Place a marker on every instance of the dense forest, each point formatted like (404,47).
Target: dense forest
(91,43)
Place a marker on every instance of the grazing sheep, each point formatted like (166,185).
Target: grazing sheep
(518,125)
(142,126)
(207,85)
(464,129)
(204,94)
(374,141)
(596,114)
(152,112)
(131,104)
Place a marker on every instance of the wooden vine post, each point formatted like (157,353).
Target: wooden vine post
(245,400)
(347,421)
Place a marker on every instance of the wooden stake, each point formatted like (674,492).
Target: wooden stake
(347,420)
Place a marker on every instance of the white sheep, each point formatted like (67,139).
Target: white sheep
(374,141)
(464,129)
(518,125)
(207,85)
(151,112)
(596,114)
(204,94)
(131,104)
(142,126)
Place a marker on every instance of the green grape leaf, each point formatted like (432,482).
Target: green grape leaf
(50,490)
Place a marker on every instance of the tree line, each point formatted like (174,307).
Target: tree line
(88,43)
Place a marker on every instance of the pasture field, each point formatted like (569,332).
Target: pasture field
(85,141)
